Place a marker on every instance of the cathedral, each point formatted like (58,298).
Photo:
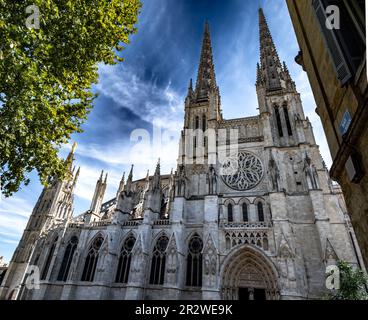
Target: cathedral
(261,223)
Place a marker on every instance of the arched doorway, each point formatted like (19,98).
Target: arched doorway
(247,274)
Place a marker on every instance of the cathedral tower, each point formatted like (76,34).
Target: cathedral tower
(279,102)
(202,106)
(54,206)
(95,210)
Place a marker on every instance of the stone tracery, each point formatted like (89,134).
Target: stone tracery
(242,171)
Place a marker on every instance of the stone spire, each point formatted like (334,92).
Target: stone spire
(259,76)
(121,185)
(190,88)
(290,84)
(76,177)
(128,186)
(206,79)
(69,161)
(270,69)
(99,194)
(147,177)
(156,181)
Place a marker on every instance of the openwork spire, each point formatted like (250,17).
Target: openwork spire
(206,79)
(70,159)
(128,186)
(271,69)
(157,177)
(121,185)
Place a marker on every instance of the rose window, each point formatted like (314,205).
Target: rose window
(242,171)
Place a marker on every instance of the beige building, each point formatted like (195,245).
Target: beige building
(333,53)
(262,223)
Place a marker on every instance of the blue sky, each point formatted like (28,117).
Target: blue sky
(147,92)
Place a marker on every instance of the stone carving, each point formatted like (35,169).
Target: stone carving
(311,174)
(297,117)
(72,273)
(137,261)
(330,253)
(286,263)
(172,262)
(210,263)
(212,180)
(243,171)
(274,174)
(180,181)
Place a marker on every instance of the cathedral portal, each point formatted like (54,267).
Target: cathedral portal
(247,274)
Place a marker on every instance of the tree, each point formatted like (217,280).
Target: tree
(353,283)
(49,54)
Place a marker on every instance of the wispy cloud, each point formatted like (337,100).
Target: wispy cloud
(129,89)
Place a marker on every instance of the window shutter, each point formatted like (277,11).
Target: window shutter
(340,64)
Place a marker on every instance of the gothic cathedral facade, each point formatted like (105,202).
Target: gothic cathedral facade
(267,230)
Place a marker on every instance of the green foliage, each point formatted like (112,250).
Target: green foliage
(46,76)
(352,283)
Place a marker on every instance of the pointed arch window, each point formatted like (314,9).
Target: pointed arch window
(260,209)
(245,212)
(196,125)
(67,259)
(230,217)
(194,262)
(122,274)
(92,259)
(46,267)
(278,120)
(287,119)
(158,261)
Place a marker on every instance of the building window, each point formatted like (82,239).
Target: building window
(48,260)
(67,259)
(92,259)
(197,122)
(245,212)
(122,274)
(194,262)
(278,120)
(204,123)
(158,261)
(287,119)
(230,217)
(347,44)
(260,212)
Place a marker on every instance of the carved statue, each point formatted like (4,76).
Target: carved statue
(181,181)
(311,174)
(212,180)
(297,117)
(274,175)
